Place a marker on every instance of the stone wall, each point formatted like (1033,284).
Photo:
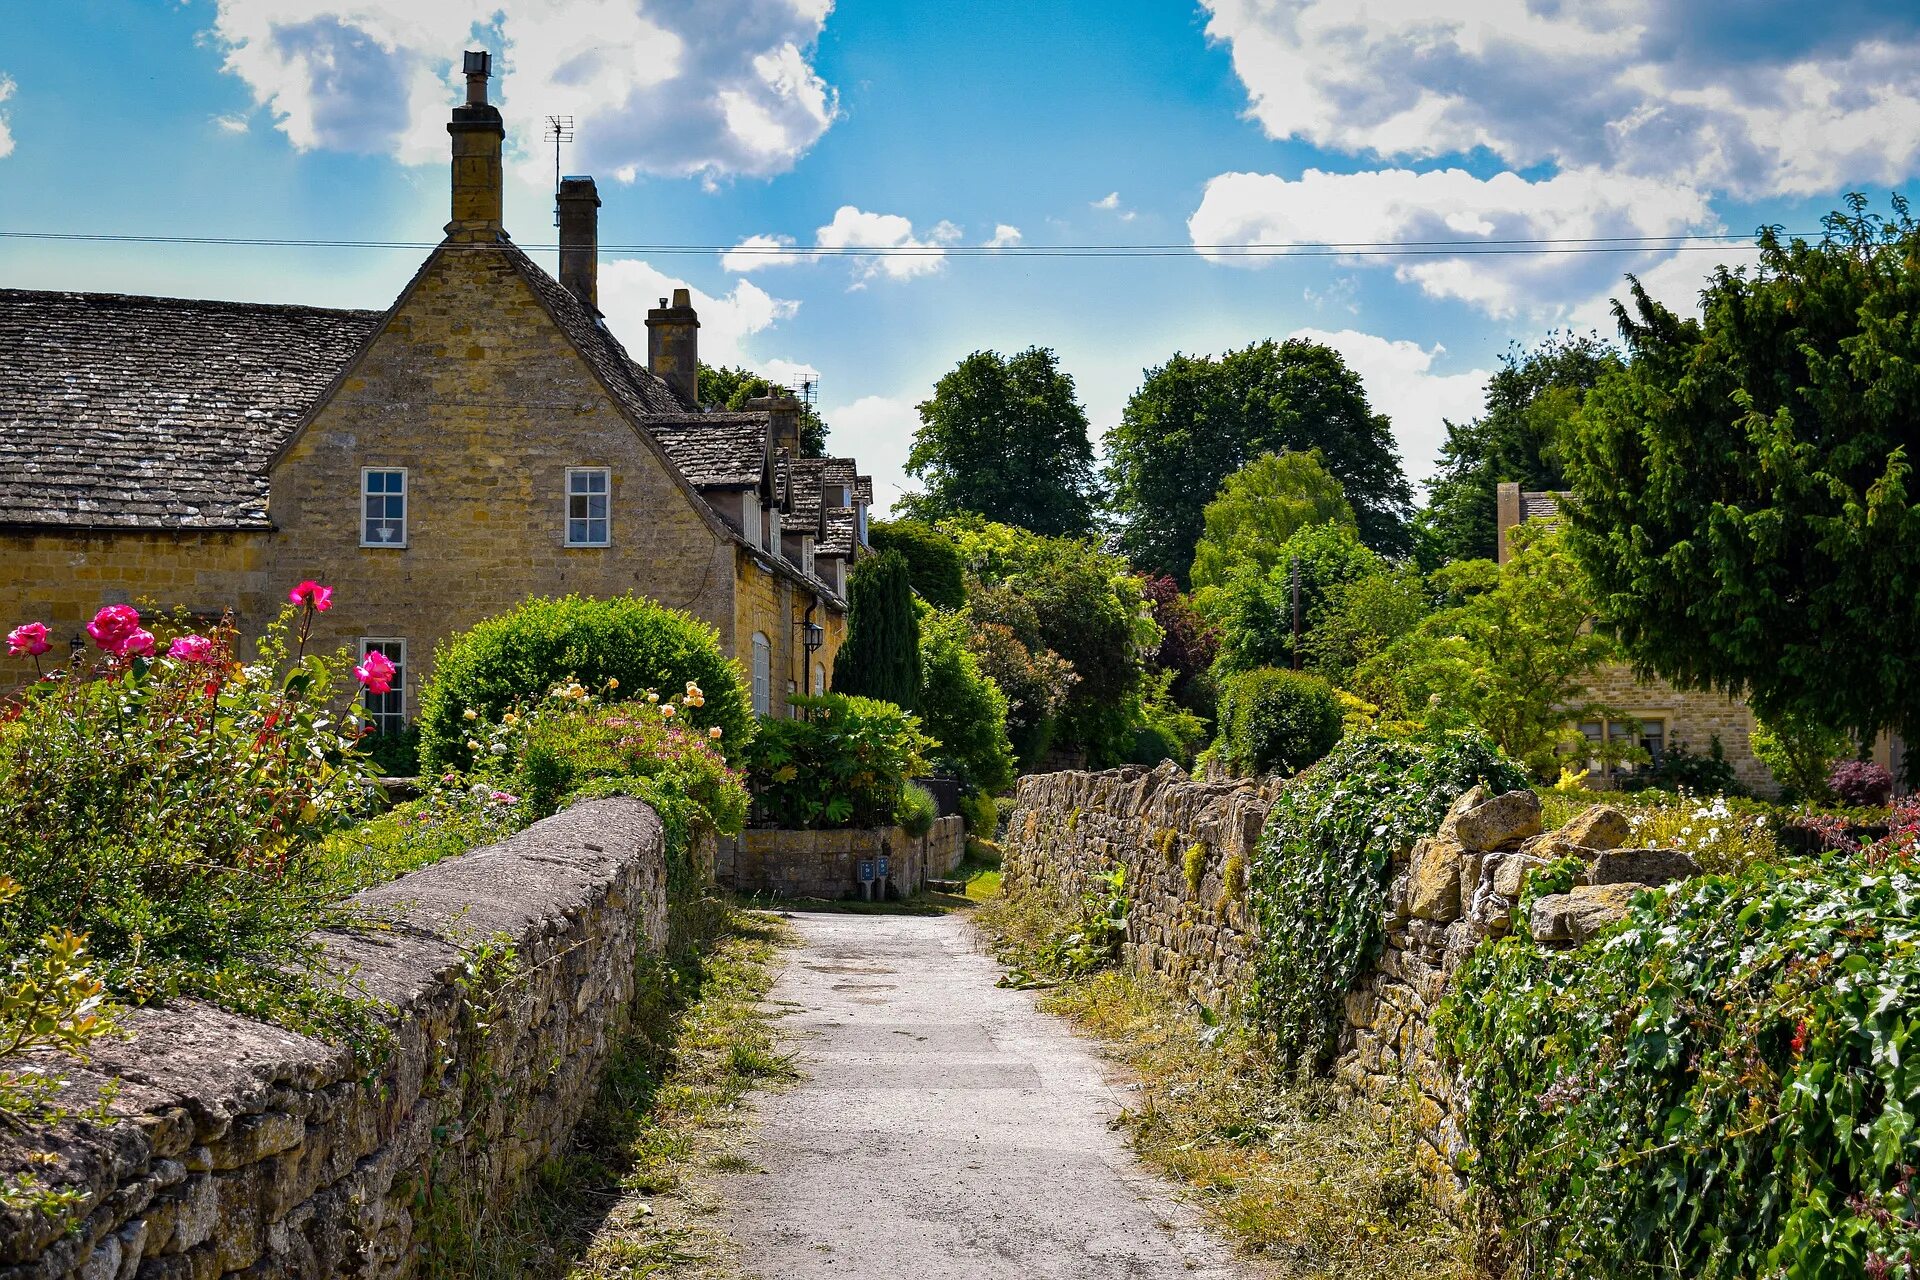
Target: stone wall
(243,1149)
(826,864)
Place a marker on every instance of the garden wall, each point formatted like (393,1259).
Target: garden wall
(246,1149)
(826,864)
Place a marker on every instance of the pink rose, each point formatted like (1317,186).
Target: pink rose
(191,649)
(376,672)
(311,592)
(137,643)
(29,638)
(112,625)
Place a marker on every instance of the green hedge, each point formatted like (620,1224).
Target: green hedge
(1275,721)
(1318,882)
(844,764)
(520,655)
(933,560)
(1725,1085)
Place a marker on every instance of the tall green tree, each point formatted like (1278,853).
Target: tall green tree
(1262,505)
(1196,420)
(1530,400)
(962,707)
(1742,489)
(732,387)
(881,655)
(1253,609)
(933,562)
(1005,438)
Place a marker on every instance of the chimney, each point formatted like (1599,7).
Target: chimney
(784,409)
(579,203)
(673,346)
(477,135)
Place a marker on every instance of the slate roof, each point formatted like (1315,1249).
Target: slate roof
(863,489)
(715,450)
(839,538)
(127,412)
(806,493)
(1543,506)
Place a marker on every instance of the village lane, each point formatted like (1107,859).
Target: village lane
(945,1129)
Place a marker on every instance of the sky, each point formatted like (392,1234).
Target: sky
(729,137)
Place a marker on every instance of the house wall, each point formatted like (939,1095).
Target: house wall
(1692,718)
(62,579)
(774,605)
(474,389)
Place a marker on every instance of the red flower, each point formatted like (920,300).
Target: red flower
(311,592)
(376,672)
(1800,1038)
(29,638)
(191,649)
(112,625)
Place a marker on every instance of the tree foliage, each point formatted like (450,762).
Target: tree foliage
(1261,506)
(881,656)
(1196,420)
(961,707)
(1530,401)
(732,387)
(1254,611)
(1005,438)
(1743,485)
(933,562)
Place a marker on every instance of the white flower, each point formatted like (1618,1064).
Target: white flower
(498,748)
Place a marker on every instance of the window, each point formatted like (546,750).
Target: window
(1650,737)
(762,674)
(388,710)
(383,492)
(819,679)
(588,492)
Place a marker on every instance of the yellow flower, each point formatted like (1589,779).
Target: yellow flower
(471,714)
(652,696)
(667,711)
(612,683)
(473,744)
(714,732)
(509,718)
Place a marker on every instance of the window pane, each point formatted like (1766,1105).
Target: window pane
(597,507)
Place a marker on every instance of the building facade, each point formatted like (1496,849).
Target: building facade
(484,439)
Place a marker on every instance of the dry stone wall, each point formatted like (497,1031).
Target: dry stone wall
(239,1149)
(826,864)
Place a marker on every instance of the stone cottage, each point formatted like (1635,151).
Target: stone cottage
(483,439)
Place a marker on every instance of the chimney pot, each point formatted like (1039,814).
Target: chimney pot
(579,203)
(673,346)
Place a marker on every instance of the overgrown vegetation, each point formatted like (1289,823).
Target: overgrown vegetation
(844,763)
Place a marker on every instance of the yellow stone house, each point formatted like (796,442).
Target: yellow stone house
(484,439)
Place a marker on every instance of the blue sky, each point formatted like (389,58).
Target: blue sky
(807,122)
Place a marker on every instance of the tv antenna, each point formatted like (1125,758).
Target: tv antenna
(559,130)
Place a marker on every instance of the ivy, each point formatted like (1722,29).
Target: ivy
(1318,882)
(1725,1085)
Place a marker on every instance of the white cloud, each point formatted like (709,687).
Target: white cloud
(235,123)
(854,228)
(788,373)
(1004,237)
(1400,383)
(1675,281)
(630,287)
(878,430)
(756,252)
(1399,205)
(1642,87)
(6,135)
(1110,202)
(725,87)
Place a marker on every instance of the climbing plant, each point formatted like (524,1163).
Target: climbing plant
(1318,881)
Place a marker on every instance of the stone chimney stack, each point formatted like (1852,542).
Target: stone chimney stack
(579,204)
(783,407)
(477,135)
(673,346)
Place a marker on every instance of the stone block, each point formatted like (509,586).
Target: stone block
(1598,826)
(1642,866)
(1497,821)
(1575,916)
(1433,880)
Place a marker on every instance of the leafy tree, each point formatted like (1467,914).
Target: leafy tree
(1800,752)
(1262,505)
(1363,617)
(881,655)
(1530,400)
(1005,438)
(731,388)
(1742,487)
(1253,611)
(1036,681)
(933,562)
(1196,420)
(1188,645)
(961,707)
(1513,658)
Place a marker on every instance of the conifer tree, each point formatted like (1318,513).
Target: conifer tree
(881,656)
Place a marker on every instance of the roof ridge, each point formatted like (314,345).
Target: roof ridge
(171,300)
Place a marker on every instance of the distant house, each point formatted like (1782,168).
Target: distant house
(483,439)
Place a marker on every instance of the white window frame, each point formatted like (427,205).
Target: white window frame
(400,686)
(762,674)
(406,505)
(568,516)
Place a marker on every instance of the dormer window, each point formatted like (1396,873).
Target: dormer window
(589,519)
(383,497)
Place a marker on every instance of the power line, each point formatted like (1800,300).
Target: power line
(1704,242)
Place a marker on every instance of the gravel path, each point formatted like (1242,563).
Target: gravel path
(945,1130)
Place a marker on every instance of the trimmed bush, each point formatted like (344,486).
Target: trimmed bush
(1277,721)
(933,561)
(881,656)
(1860,783)
(961,709)
(917,811)
(843,765)
(519,656)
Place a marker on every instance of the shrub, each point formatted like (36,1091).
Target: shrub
(518,656)
(843,765)
(1800,752)
(917,810)
(1719,1087)
(394,755)
(1036,682)
(960,708)
(1318,882)
(1860,783)
(1679,769)
(1277,721)
(933,561)
(881,656)
(982,814)
(1720,838)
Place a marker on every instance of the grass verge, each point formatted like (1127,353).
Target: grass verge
(1290,1170)
(629,1199)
